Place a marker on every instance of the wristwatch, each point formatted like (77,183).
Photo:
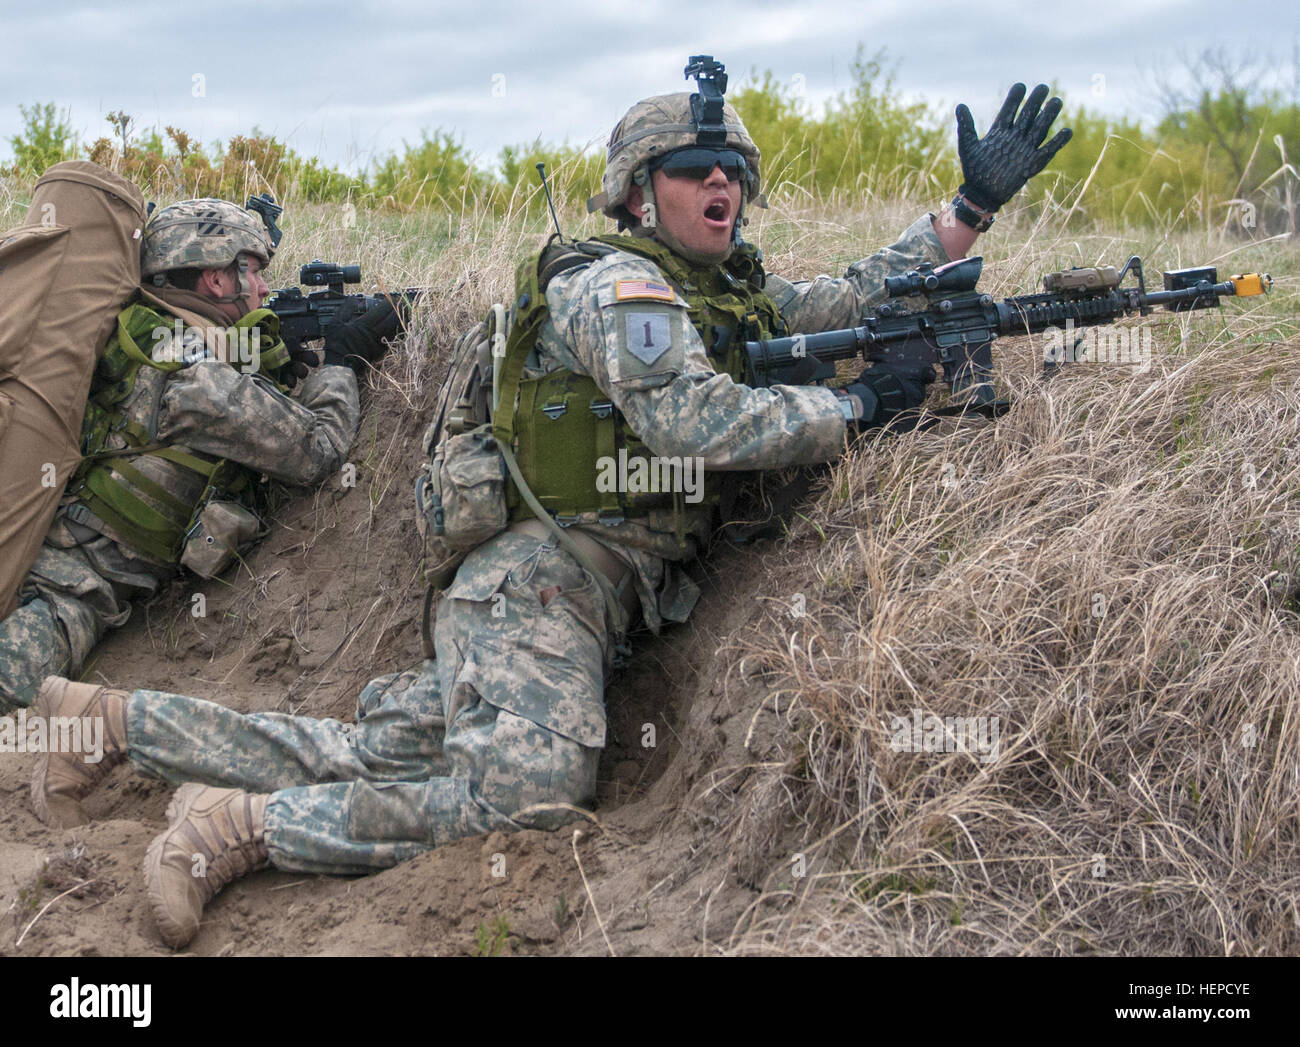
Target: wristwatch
(968,214)
(850,410)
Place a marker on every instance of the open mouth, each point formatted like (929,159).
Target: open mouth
(717,213)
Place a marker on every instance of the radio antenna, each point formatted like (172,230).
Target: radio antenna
(541,170)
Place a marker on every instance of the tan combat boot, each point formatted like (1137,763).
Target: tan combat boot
(62,780)
(213,836)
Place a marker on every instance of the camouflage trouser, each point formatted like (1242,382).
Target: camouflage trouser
(65,607)
(510,715)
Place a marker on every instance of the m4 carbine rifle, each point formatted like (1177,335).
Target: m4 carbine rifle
(957,324)
(307,317)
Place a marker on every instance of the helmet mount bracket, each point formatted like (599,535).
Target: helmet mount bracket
(265,206)
(706,103)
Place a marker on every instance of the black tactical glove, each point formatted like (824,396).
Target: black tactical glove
(996,166)
(364,340)
(887,390)
(301,361)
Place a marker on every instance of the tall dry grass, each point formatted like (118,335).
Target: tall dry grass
(1112,570)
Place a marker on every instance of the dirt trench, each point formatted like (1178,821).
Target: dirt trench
(329,600)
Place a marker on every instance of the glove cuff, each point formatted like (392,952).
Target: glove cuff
(978,199)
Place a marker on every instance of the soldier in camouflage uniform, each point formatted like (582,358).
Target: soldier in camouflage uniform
(186,411)
(503,728)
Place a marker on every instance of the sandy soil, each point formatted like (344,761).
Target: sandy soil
(329,600)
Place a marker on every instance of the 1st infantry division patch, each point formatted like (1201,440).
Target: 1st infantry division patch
(648,336)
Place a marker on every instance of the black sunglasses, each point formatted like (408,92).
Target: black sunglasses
(698,163)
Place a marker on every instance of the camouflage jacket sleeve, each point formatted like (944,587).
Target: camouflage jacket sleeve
(645,355)
(214,408)
(827,303)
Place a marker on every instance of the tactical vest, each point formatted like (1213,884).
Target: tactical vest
(129,486)
(564,423)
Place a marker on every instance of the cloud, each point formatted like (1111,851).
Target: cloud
(354,81)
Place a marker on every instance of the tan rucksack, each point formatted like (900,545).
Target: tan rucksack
(65,273)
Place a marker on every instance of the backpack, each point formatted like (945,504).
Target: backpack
(65,273)
(462,495)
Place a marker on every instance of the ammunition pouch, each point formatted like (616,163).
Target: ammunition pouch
(470,488)
(220,530)
(460,493)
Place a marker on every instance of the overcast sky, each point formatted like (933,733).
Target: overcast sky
(351,81)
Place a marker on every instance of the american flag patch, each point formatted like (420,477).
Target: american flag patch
(630,289)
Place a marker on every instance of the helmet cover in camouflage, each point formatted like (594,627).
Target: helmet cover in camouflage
(656,126)
(202,234)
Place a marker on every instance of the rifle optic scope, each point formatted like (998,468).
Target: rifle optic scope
(319,274)
(959,275)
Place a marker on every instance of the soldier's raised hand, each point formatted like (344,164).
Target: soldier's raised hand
(996,166)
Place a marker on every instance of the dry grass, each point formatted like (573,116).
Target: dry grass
(1112,571)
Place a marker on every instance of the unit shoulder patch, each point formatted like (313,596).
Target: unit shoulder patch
(648,337)
(649,343)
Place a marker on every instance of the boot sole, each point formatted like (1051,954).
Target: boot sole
(173,933)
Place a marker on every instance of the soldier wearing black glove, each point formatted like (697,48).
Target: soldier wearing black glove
(301,361)
(996,166)
(364,339)
(884,391)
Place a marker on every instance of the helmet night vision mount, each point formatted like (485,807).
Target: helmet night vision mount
(706,104)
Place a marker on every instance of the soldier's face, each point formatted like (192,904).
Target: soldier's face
(699,213)
(224,282)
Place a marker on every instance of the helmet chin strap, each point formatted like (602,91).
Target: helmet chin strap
(161,282)
(244,283)
(244,295)
(244,292)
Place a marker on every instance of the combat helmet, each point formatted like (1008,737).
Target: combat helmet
(657,126)
(202,234)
